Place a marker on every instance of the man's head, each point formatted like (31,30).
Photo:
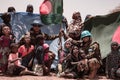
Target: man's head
(36,24)
(76,16)
(14,47)
(86,35)
(6,17)
(114,46)
(88,17)
(40,39)
(29,8)
(11,9)
(5,29)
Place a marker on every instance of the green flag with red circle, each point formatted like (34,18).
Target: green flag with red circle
(51,11)
(105,29)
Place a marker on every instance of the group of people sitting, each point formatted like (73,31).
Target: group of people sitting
(31,55)
(21,58)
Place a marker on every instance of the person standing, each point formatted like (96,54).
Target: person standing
(75,27)
(11,9)
(29,8)
(6,17)
(5,41)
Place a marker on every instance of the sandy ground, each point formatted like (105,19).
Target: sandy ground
(32,78)
(51,77)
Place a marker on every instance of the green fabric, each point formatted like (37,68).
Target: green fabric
(55,17)
(102,29)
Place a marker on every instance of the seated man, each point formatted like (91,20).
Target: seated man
(92,53)
(113,61)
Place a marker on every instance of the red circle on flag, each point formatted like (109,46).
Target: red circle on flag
(46,7)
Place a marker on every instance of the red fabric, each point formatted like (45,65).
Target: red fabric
(46,7)
(46,58)
(0,55)
(13,56)
(4,41)
(61,56)
(23,50)
(116,36)
(45,46)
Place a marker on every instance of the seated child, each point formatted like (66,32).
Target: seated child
(48,59)
(72,70)
(62,53)
(14,63)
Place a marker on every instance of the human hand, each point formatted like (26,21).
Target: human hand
(19,58)
(62,32)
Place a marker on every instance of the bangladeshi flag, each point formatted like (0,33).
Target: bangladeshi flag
(104,29)
(51,11)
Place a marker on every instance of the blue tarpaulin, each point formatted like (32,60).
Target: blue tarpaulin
(21,23)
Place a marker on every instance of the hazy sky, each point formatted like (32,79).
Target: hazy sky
(93,7)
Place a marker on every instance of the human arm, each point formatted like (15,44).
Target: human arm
(50,37)
(11,59)
(65,58)
(94,51)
